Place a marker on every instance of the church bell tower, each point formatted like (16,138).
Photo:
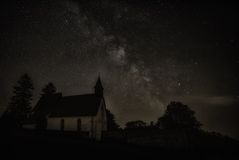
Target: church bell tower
(99,88)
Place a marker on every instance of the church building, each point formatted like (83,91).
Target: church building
(80,113)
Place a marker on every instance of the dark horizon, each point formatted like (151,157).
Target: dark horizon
(147,53)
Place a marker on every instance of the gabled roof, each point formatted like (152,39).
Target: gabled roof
(57,106)
(79,105)
(46,104)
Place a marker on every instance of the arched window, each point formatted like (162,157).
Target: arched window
(79,124)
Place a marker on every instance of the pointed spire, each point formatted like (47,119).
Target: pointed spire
(99,87)
(98,83)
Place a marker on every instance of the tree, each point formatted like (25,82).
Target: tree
(49,89)
(178,116)
(20,103)
(135,124)
(111,123)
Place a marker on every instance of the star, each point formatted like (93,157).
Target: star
(179,84)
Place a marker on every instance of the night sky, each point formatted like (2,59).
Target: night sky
(147,53)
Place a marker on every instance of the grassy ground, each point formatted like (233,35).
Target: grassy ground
(42,145)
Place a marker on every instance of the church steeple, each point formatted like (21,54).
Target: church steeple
(99,88)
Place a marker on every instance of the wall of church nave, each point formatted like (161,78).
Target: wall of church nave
(69,123)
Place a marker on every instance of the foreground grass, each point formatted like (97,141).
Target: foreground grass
(54,145)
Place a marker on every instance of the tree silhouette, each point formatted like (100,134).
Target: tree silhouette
(20,103)
(135,124)
(178,116)
(111,123)
(49,89)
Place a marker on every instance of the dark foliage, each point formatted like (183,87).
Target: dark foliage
(19,107)
(49,89)
(135,125)
(178,116)
(111,122)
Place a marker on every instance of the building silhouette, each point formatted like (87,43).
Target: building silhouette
(79,113)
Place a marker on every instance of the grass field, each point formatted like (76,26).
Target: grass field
(53,145)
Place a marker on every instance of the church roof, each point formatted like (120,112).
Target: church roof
(79,105)
(46,104)
(68,106)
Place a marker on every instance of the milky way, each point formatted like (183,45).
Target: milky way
(147,54)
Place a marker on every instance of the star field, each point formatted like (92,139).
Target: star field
(147,54)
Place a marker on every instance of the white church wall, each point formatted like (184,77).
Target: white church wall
(86,123)
(54,123)
(94,125)
(100,121)
(70,123)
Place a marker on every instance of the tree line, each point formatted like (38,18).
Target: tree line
(19,109)
(176,116)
